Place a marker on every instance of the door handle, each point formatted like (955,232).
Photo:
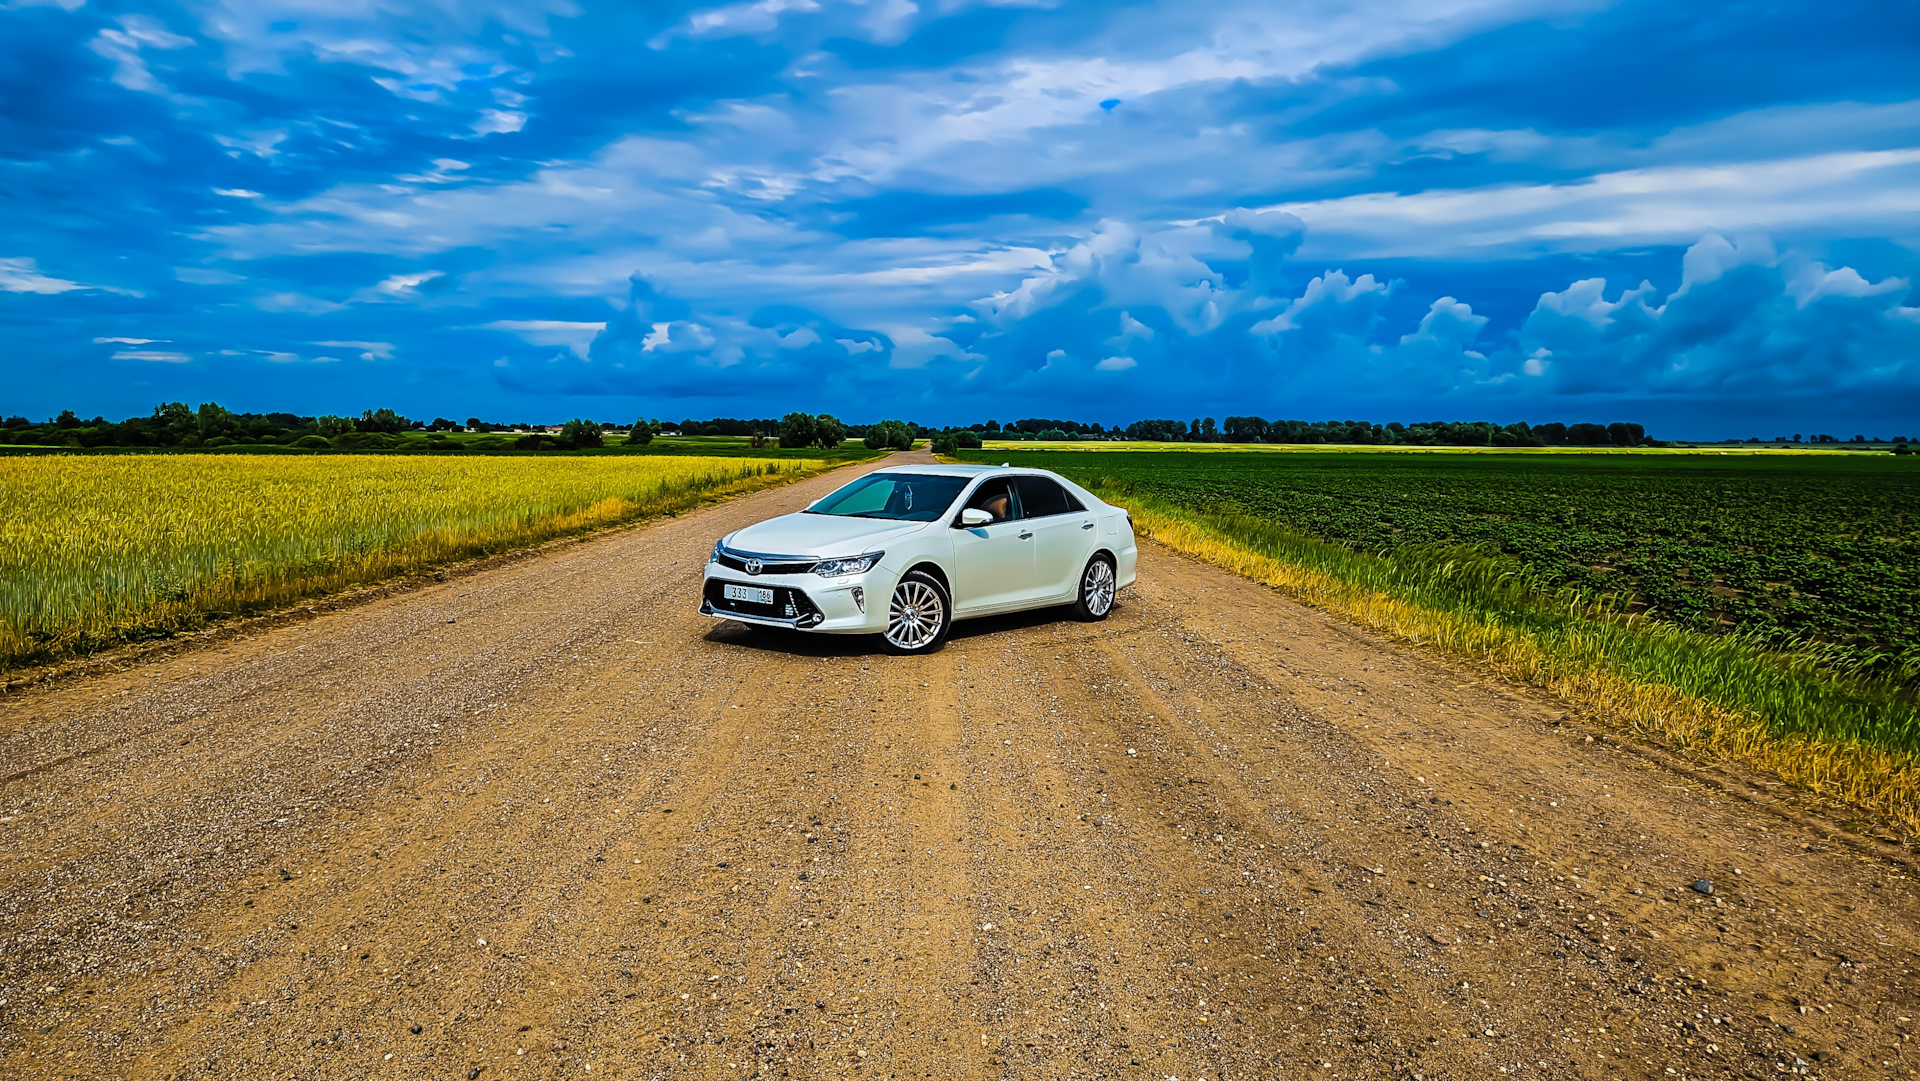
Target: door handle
(1026,536)
(1086,525)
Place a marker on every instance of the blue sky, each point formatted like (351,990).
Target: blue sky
(1705,217)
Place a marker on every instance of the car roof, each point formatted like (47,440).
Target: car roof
(940,470)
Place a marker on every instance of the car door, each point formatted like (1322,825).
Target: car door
(1063,534)
(993,564)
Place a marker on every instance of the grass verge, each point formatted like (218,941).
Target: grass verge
(1707,697)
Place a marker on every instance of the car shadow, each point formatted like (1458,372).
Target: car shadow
(802,644)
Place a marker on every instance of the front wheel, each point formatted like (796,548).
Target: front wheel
(1097,587)
(919,615)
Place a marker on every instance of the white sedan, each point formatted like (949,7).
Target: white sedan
(904,551)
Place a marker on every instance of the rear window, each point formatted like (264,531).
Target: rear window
(1040,497)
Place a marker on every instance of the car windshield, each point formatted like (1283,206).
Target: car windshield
(901,497)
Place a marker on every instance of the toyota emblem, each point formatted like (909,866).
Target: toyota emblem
(753,566)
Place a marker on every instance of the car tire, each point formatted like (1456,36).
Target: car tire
(919,615)
(1098,585)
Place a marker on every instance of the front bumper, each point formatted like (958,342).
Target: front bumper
(804,602)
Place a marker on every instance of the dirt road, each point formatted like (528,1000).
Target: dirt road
(545,820)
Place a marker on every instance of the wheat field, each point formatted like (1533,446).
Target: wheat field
(106,549)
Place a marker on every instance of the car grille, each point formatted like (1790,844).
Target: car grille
(738,563)
(787,603)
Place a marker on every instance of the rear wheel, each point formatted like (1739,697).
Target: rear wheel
(919,615)
(1097,588)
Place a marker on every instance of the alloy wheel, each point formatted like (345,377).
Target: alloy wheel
(1097,587)
(915,615)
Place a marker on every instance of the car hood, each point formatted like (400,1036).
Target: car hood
(823,535)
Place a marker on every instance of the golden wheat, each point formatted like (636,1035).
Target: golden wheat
(101,549)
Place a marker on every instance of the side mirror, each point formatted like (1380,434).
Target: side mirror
(974,518)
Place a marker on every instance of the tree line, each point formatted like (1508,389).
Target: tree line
(178,425)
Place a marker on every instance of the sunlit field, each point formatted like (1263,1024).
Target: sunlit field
(101,549)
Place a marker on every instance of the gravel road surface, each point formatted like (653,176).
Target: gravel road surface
(544,820)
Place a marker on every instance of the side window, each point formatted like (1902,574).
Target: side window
(1040,498)
(995,497)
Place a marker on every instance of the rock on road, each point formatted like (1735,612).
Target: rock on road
(545,820)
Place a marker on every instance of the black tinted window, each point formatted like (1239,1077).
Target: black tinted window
(1040,497)
(995,497)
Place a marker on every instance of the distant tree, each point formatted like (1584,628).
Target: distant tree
(798,430)
(66,419)
(1588,435)
(331,426)
(214,420)
(641,433)
(382,420)
(889,435)
(172,421)
(967,439)
(828,431)
(442,424)
(578,434)
(1245,429)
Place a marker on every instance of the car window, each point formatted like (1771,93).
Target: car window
(995,497)
(1041,497)
(901,497)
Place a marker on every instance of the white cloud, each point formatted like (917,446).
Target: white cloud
(1872,191)
(296,302)
(756,17)
(368,350)
(498,122)
(127,341)
(194,275)
(1115,364)
(23,276)
(123,46)
(401,286)
(237,193)
(577,337)
(152,355)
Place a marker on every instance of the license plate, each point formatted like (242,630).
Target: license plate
(754,594)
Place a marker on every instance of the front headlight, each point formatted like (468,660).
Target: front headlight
(834,568)
(714,556)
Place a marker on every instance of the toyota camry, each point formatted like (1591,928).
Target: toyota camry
(905,551)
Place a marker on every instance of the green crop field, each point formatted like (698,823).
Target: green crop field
(1762,607)
(1790,549)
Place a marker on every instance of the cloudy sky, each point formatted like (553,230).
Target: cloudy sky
(1702,216)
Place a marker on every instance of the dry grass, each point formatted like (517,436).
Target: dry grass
(98,550)
(1574,664)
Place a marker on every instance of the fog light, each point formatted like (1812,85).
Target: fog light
(860,598)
